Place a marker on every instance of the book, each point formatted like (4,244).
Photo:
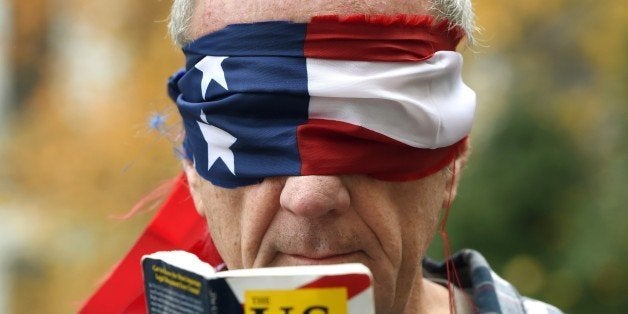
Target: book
(179,282)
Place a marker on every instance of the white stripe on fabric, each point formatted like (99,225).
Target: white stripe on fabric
(422,104)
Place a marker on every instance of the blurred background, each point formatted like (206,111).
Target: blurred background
(543,196)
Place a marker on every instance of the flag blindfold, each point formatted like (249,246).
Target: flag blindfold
(381,96)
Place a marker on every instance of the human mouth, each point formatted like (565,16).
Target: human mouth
(284,259)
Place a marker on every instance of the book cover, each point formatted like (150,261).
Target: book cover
(178,282)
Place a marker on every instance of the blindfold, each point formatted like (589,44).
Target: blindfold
(375,95)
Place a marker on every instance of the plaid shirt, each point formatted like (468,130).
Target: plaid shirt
(489,292)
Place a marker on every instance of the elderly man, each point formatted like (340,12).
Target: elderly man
(324,132)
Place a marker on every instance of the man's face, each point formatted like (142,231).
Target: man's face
(327,220)
(321,219)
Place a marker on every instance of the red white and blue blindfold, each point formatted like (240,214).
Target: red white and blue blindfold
(376,95)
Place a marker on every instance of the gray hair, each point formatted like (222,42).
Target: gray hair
(181,20)
(458,12)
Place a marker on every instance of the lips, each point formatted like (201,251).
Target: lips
(283,259)
(292,240)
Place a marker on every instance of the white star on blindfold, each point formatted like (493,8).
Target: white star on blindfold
(212,70)
(218,144)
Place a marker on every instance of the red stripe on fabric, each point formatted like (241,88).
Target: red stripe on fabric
(355,283)
(332,147)
(378,37)
(176,226)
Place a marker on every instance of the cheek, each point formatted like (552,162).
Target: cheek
(420,205)
(223,214)
(423,211)
(418,229)
(238,219)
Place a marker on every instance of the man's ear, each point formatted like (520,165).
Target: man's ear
(194,182)
(453,173)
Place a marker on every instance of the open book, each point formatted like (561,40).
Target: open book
(178,282)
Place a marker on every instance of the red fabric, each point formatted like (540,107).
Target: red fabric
(378,38)
(329,147)
(355,283)
(176,226)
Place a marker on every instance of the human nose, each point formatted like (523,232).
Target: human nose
(314,196)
